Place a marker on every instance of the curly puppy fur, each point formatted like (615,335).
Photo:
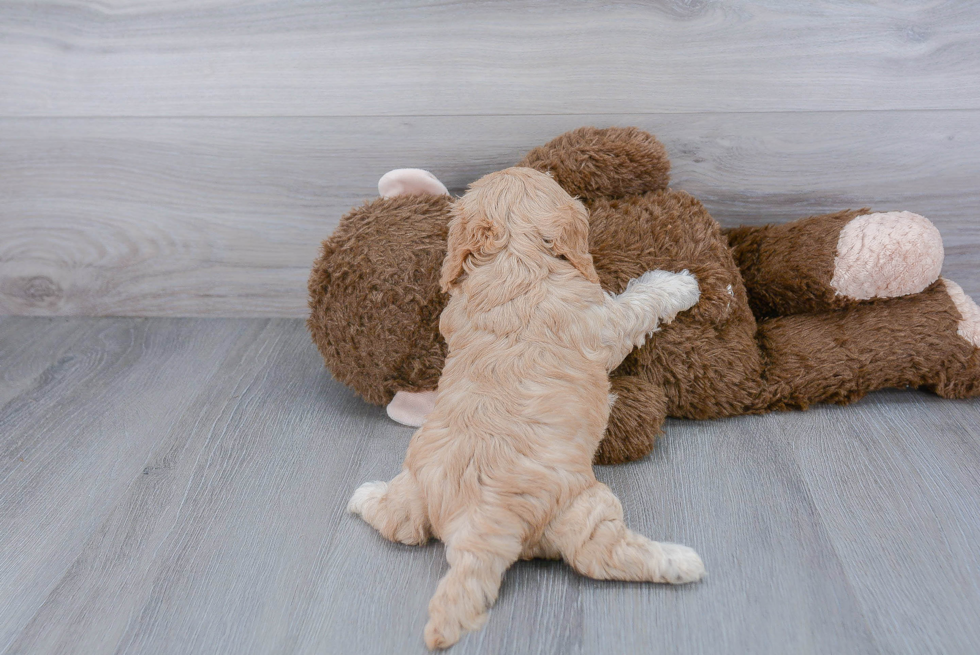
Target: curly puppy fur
(502,467)
(771,330)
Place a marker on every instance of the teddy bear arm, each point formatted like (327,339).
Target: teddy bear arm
(603,163)
(833,261)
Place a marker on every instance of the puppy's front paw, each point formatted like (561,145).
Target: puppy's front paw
(687,291)
(369,492)
(675,291)
(680,564)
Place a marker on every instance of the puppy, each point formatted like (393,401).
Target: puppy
(502,467)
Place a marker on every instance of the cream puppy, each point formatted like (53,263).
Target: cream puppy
(502,467)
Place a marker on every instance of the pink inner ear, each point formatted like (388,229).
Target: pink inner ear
(410,408)
(410,181)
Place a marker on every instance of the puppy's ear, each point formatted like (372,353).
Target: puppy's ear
(469,233)
(571,239)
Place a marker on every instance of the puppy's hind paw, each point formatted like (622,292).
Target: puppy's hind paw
(369,492)
(680,564)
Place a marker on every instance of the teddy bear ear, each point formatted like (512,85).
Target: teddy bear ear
(410,181)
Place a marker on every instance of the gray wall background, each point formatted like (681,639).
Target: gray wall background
(185,158)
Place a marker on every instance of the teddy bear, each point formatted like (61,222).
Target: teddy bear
(819,310)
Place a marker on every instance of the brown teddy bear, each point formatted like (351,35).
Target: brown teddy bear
(824,309)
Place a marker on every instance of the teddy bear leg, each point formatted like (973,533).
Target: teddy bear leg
(920,340)
(638,412)
(603,163)
(961,377)
(835,260)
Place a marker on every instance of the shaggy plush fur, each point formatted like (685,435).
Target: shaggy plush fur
(375,299)
(604,163)
(502,468)
(828,262)
(770,332)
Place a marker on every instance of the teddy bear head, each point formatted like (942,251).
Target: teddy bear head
(375,297)
(374,290)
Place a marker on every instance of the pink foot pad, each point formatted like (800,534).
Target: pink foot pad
(969,326)
(886,255)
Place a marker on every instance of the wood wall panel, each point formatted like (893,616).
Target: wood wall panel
(223,216)
(295,58)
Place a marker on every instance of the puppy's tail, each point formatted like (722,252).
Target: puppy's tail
(476,568)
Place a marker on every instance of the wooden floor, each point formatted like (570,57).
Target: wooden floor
(178,486)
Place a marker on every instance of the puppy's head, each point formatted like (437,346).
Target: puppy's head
(519,209)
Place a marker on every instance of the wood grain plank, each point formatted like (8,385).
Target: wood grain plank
(73,441)
(294,58)
(228,517)
(897,483)
(231,536)
(733,493)
(223,217)
(30,358)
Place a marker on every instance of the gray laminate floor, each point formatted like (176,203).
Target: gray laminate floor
(178,486)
